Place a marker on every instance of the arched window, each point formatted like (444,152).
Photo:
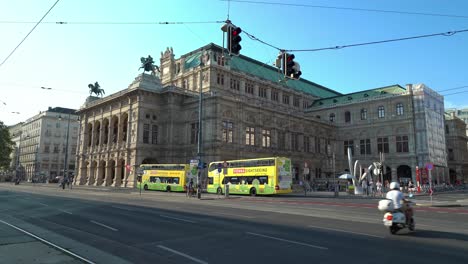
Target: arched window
(381,111)
(399,109)
(363,114)
(347,116)
(332,117)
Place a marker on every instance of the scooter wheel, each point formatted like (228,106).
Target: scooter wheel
(393,229)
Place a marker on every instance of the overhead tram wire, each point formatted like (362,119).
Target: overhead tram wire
(446,34)
(114,22)
(454,93)
(351,9)
(21,42)
(455,88)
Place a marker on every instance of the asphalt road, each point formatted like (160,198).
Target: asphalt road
(124,227)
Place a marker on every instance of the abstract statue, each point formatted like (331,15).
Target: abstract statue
(96,89)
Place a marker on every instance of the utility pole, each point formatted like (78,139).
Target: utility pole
(200,109)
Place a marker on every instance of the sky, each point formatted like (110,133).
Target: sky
(104,40)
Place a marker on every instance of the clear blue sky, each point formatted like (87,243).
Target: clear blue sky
(70,56)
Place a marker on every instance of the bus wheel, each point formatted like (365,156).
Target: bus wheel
(168,188)
(219,191)
(145,187)
(253,192)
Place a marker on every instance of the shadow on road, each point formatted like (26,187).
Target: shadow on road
(437,234)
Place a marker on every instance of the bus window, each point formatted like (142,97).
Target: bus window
(210,180)
(176,180)
(235,180)
(263,179)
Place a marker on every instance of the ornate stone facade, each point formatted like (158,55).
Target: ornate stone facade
(248,111)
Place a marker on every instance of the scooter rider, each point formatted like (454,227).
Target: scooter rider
(399,202)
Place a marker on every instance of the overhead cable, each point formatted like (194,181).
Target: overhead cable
(351,9)
(11,53)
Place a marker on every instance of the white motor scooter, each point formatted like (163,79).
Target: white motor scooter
(395,220)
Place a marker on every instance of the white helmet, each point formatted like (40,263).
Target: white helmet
(394,186)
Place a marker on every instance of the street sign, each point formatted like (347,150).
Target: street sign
(429,166)
(220,167)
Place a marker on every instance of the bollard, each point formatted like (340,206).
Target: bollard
(226,192)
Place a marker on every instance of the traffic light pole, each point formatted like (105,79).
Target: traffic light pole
(199,148)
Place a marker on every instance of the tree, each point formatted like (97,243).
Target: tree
(6,146)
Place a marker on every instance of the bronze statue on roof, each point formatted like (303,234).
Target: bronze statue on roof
(148,65)
(96,89)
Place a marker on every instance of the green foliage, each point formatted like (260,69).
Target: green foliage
(6,146)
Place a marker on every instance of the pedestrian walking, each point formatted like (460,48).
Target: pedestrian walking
(364,187)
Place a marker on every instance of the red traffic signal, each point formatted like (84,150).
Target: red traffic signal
(234,40)
(291,69)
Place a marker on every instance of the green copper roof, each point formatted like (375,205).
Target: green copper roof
(250,66)
(360,96)
(192,60)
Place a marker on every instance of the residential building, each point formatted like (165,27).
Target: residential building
(42,144)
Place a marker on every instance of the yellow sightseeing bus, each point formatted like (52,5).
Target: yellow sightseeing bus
(166,177)
(262,176)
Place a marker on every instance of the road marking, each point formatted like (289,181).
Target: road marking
(67,212)
(182,254)
(345,231)
(103,225)
(180,219)
(440,212)
(48,243)
(245,216)
(286,240)
(123,208)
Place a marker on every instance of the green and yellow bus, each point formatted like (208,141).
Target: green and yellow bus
(262,176)
(166,177)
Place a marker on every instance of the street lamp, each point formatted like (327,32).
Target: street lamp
(65,169)
(18,162)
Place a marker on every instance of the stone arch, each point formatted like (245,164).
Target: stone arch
(83,173)
(105,127)
(114,128)
(387,174)
(124,127)
(452,176)
(97,132)
(92,172)
(404,171)
(101,173)
(111,173)
(90,134)
(120,173)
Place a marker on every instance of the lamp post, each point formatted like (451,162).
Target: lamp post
(18,162)
(65,169)
(199,146)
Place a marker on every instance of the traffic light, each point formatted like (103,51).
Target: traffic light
(291,69)
(234,40)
